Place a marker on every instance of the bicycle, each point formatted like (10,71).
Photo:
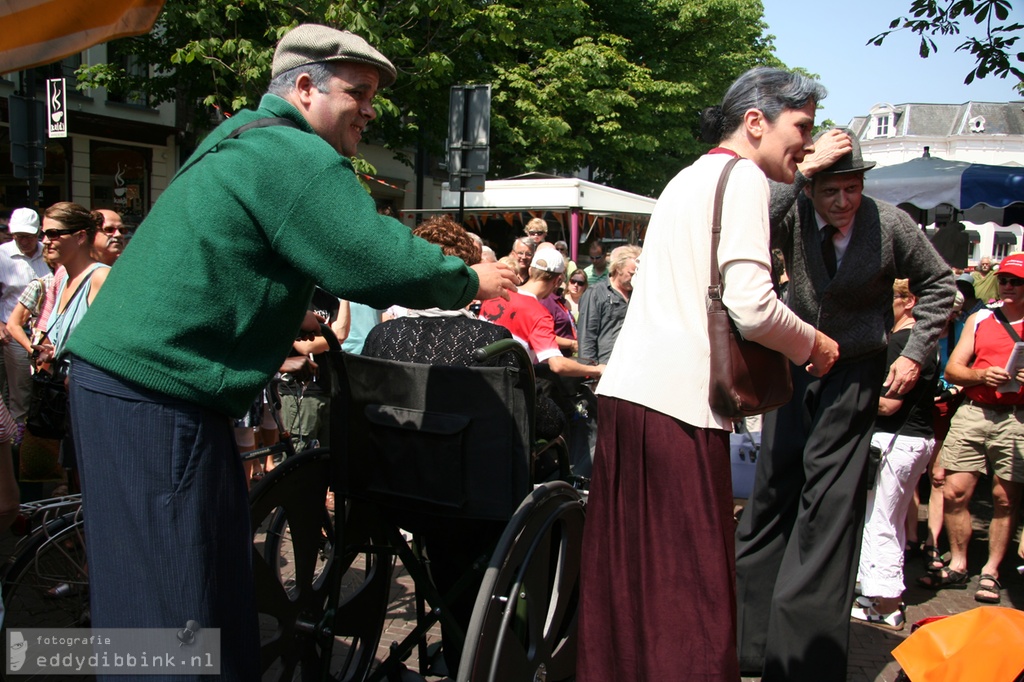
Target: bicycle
(46,582)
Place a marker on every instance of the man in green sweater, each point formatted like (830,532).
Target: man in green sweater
(199,314)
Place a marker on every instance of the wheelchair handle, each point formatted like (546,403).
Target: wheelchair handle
(500,348)
(332,340)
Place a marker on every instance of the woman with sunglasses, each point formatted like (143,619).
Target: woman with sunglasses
(68,234)
(660,513)
(574,290)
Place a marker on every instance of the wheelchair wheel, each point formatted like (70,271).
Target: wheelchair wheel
(279,548)
(525,620)
(320,608)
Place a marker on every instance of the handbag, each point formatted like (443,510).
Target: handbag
(47,415)
(746,377)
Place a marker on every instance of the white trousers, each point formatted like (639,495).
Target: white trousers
(881,552)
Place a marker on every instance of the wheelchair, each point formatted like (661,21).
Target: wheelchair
(429,452)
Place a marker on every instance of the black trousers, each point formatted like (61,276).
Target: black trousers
(799,536)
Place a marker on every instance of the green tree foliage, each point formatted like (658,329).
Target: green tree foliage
(614,86)
(992,49)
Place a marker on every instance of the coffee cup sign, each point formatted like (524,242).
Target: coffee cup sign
(56,107)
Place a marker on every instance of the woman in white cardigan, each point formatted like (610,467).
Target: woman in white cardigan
(659,516)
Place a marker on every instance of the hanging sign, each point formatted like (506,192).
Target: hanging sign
(56,107)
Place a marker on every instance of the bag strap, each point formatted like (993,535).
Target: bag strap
(262,123)
(86,277)
(715,288)
(1006,325)
(209,144)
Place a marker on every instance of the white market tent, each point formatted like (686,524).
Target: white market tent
(593,209)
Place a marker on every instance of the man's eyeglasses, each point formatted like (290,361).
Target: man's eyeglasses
(1011,281)
(58,233)
(597,257)
(111,229)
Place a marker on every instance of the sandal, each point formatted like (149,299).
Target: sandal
(987,593)
(869,615)
(934,560)
(943,578)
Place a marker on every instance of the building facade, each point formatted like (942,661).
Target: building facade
(121,151)
(975,132)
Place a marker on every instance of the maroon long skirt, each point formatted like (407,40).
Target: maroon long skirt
(659,562)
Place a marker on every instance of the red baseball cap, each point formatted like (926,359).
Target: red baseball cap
(1012,265)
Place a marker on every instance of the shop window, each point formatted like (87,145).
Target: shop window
(119,177)
(973,245)
(1003,244)
(14,192)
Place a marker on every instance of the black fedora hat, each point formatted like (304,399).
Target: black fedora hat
(852,162)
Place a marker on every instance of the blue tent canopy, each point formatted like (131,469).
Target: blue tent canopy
(927,182)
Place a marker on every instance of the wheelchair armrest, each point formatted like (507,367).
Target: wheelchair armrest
(500,348)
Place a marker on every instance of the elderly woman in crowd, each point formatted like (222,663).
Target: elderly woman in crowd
(660,511)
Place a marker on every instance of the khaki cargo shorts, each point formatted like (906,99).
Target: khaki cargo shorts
(986,438)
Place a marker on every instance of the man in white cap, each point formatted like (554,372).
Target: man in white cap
(530,322)
(199,314)
(21,261)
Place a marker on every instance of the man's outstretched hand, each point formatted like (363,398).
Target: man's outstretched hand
(496,279)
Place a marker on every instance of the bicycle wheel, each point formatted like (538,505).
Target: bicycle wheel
(303,629)
(45,584)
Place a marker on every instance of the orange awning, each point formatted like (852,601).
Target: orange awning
(36,32)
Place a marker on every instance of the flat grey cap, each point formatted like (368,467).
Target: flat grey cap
(309,43)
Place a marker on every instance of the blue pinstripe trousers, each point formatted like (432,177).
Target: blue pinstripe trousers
(166,516)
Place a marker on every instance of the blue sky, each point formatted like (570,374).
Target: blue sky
(829,38)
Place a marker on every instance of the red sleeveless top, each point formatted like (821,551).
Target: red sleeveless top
(992,347)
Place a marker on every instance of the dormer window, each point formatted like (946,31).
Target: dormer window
(977,124)
(882,126)
(882,122)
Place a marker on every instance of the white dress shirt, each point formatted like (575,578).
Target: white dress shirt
(16,271)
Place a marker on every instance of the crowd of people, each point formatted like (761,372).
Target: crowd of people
(211,299)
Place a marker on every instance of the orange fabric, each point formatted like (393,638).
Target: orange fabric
(986,643)
(37,32)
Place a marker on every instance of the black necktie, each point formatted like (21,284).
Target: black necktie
(828,249)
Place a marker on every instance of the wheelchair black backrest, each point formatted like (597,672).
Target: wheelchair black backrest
(438,440)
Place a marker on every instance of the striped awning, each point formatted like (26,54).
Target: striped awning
(36,32)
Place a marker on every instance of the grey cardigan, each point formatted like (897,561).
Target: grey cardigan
(855,308)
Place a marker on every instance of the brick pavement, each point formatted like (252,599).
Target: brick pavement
(870,658)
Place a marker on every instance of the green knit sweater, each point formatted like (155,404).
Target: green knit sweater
(209,295)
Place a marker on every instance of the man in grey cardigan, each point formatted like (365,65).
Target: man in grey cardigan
(800,532)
